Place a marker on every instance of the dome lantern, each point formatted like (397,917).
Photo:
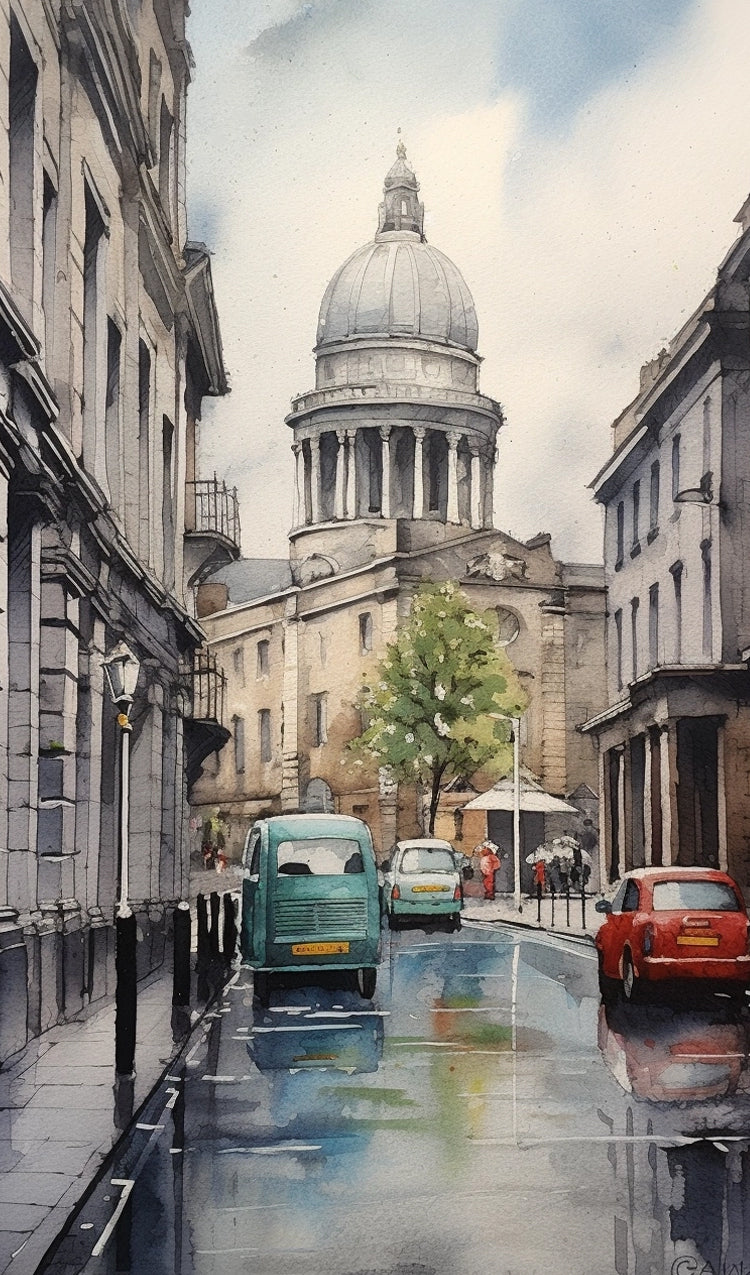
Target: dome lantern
(401,209)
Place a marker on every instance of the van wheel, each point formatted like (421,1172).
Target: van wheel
(393,922)
(454,922)
(262,988)
(366,979)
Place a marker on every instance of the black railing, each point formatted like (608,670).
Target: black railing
(209,688)
(213,507)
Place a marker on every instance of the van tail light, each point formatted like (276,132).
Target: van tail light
(457,894)
(395,892)
(648,940)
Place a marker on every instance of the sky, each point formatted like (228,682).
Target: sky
(581,161)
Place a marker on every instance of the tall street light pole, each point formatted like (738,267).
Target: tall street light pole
(121,668)
(515,724)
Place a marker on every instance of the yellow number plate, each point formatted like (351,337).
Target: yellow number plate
(427,889)
(319,949)
(698,940)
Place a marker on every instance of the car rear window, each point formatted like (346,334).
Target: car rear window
(319,857)
(704,896)
(423,859)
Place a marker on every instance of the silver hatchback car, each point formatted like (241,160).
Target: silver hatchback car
(422,880)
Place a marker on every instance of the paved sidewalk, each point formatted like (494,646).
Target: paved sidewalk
(502,910)
(60,1116)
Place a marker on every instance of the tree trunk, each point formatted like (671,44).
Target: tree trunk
(437,775)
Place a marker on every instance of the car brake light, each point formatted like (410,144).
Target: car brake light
(457,894)
(395,892)
(648,939)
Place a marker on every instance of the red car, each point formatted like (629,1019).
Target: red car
(673,924)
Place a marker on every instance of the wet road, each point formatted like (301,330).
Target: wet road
(483,1116)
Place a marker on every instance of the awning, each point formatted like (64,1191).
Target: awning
(534,800)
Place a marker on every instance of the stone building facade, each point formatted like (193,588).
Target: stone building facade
(108,343)
(394,466)
(674,742)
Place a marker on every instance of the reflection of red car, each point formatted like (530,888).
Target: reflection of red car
(683,1058)
(673,923)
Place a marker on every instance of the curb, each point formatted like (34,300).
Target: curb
(531,927)
(41,1246)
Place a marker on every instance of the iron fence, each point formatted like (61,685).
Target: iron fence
(213,507)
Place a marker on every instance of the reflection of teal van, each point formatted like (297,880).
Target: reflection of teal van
(310,899)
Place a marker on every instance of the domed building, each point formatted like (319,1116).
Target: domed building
(396,428)
(394,453)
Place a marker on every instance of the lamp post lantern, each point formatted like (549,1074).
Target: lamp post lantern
(121,668)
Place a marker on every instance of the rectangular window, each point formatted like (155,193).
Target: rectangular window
(675,466)
(653,513)
(708,618)
(319,719)
(618,647)
(620,535)
(144,450)
(238,732)
(653,626)
(365,633)
(49,231)
(112,448)
(238,664)
(636,513)
(676,573)
(22,96)
(634,605)
(263,661)
(167,501)
(93,323)
(264,734)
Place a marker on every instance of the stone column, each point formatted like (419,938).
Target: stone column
(452,477)
(385,500)
(669,823)
(315,477)
(419,434)
(351,473)
(648,797)
(290,795)
(476,490)
(489,492)
(297,514)
(340,475)
(552,687)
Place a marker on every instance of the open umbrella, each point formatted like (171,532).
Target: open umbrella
(542,852)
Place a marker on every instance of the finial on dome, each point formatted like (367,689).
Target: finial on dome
(401,209)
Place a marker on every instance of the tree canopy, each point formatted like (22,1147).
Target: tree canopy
(429,703)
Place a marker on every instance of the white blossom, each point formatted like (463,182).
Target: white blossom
(468,700)
(408,737)
(441,727)
(390,729)
(440,691)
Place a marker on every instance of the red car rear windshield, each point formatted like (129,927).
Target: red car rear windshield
(702,896)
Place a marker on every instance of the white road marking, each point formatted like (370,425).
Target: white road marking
(127,1185)
(278,1149)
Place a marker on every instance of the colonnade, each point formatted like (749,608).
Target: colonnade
(347,495)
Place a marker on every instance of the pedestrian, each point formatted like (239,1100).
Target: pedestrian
(540,877)
(488,866)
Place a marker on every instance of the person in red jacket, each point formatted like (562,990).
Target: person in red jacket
(488,866)
(540,876)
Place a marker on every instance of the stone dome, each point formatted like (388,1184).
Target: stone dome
(398,285)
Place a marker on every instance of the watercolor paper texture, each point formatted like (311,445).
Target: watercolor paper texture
(374,637)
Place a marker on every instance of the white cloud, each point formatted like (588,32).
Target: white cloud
(585,251)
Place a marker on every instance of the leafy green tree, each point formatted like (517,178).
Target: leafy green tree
(430,702)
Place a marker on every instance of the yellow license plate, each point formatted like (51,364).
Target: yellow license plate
(319,949)
(427,889)
(698,940)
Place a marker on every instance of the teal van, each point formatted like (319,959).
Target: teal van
(310,900)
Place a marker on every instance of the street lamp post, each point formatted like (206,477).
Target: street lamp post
(515,723)
(121,669)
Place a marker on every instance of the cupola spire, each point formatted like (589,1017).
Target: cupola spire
(401,209)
